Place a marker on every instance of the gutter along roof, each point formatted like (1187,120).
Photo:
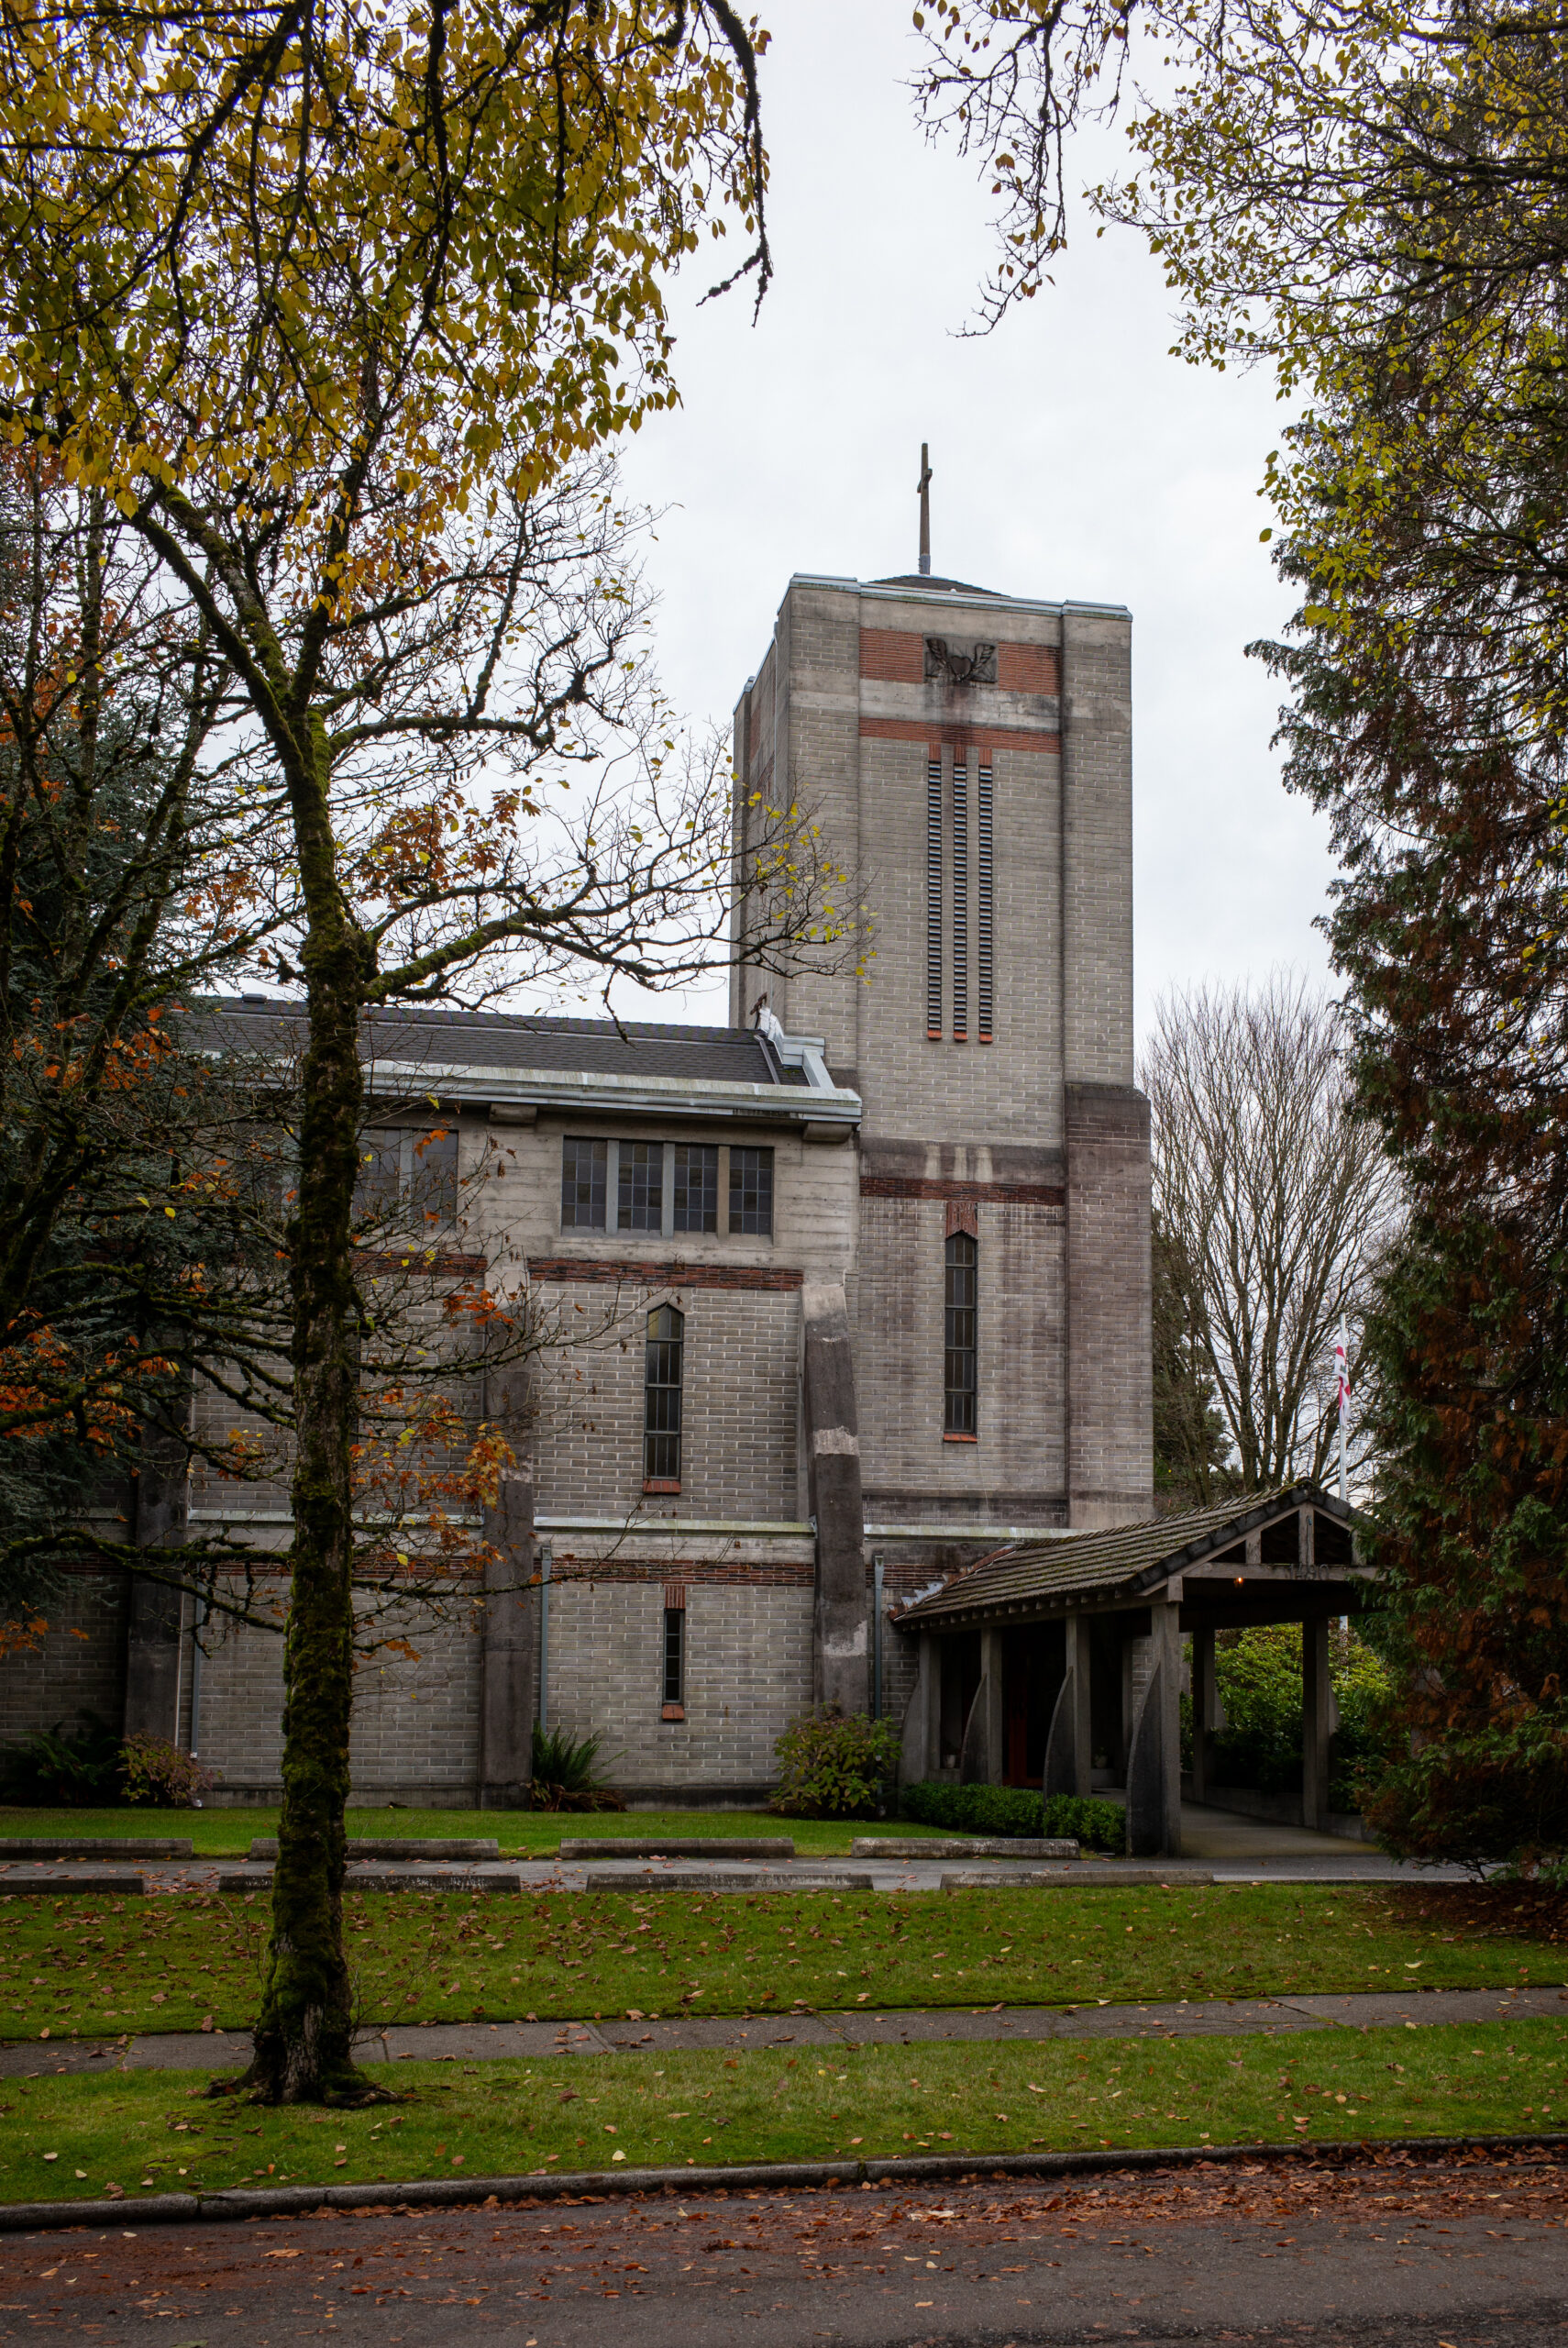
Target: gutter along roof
(1125,1562)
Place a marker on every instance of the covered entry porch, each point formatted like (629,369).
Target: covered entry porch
(1058,1662)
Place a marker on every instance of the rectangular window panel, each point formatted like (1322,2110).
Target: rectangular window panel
(696,1187)
(640,1202)
(662,1369)
(958,1336)
(933,899)
(751,1190)
(377,1183)
(985,983)
(960,900)
(584,1176)
(674,1654)
(408,1175)
(430,1183)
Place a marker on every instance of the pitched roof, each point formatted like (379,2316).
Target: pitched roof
(1130,1558)
(494,1039)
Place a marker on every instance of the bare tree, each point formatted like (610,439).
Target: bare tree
(1277,1202)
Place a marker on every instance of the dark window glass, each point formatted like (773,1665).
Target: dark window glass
(430,1174)
(376,1187)
(408,1175)
(958,1371)
(751,1190)
(696,1187)
(641,1188)
(584,1171)
(661,1396)
(674,1653)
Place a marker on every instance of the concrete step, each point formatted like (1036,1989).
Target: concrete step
(677,1846)
(398,1846)
(388,1880)
(1107,1878)
(724,1879)
(99,1885)
(963,1846)
(94,1846)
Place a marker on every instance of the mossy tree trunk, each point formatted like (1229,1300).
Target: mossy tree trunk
(303,2039)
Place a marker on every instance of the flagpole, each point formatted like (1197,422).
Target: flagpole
(1341,1359)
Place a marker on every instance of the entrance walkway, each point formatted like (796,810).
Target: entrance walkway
(1234,1840)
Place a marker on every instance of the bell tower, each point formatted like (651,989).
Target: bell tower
(969,756)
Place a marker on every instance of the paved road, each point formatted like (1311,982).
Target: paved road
(1446,2257)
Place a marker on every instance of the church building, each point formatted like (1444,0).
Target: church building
(866,1270)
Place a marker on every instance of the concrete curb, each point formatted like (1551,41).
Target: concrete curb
(1077,1878)
(452,2193)
(71,1887)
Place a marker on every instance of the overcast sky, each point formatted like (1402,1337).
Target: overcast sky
(1073,458)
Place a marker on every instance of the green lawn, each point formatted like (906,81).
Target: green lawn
(522,1833)
(97,1967)
(149,2132)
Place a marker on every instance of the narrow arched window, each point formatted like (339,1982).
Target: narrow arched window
(663,1364)
(958,1336)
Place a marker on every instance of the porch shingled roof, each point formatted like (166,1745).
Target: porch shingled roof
(1136,1558)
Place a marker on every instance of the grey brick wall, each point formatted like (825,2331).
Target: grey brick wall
(748,1673)
(78,1667)
(415,1727)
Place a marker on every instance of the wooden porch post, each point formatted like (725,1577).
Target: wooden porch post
(1317,1725)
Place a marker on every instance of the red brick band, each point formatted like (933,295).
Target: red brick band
(608,1273)
(982,738)
(897,657)
(985,1194)
(569,1565)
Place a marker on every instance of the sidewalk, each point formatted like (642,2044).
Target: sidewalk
(1033,2025)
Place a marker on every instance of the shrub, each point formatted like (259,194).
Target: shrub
(1098,1825)
(76,1768)
(974,1809)
(1018,1811)
(151,1769)
(566,1774)
(834,1765)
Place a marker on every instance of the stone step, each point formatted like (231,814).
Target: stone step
(94,1846)
(388,1880)
(677,1846)
(963,1846)
(724,1879)
(398,1846)
(100,1885)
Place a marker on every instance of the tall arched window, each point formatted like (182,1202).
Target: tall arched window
(958,1336)
(661,1399)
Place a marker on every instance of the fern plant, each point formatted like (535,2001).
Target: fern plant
(566,1775)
